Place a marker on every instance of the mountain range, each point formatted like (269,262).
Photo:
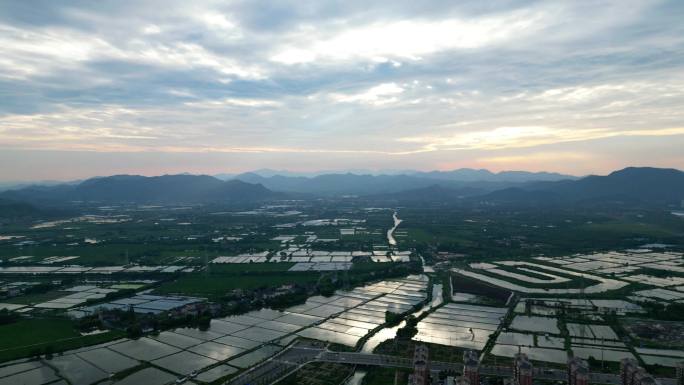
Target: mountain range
(479,181)
(183,188)
(13,210)
(631,185)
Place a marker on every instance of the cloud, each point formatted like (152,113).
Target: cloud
(406,39)
(219,21)
(457,80)
(536,157)
(45,50)
(151,29)
(526,136)
(234,102)
(378,95)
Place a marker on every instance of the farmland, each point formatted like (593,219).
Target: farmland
(175,290)
(36,336)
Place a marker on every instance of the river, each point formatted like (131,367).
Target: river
(390,332)
(390,232)
(356,378)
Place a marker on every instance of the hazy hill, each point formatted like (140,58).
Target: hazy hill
(337,184)
(141,189)
(349,183)
(13,210)
(630,185)
(9,185)
(482,175)
(639,183)
(633,185)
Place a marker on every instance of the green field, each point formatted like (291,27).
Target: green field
(29,299)
(26,337)
(633,229)
(215,285)
(385,376)
(240,268)
(223,278)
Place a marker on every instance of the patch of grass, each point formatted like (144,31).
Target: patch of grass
(661,371)
(631,229)
(385,376)
(405,348)
(32,331)
(215,285)
(494,294)
(29,336)
(318,374)
(221,279)
(29,299)
(239,268)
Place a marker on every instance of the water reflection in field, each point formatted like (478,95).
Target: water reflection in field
(391,332)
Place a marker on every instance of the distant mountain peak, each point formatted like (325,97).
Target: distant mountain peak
(631,171)
(178,188)
(637,185)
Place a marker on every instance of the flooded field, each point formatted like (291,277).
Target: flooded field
(239,341)
(466,326)
(604,284)
(536,324)
(534,353)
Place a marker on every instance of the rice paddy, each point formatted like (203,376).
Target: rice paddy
(231,343)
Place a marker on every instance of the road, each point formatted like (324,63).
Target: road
(294,357)
(279,366)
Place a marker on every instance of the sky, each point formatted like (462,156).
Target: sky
(152,87)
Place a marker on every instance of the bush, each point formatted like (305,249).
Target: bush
(410,330)
(392,319)
(204,321)
(48,352)
(8,317)
(134,331)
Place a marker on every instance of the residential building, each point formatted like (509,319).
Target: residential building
(421,366)
(522,370)
(578,371)
(471,367)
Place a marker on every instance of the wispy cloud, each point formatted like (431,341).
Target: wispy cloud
(235,102)
(536,157)
(406,39)
(378,95)
(429,81)
(527,136)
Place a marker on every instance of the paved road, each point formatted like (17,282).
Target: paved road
(281,365)
(294,357)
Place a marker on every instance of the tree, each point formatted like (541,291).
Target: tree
(593,362)
(35,353)
(204,321)
(410,330)
(326,287)
(134,331)
(392,318)
(48,352)
(7,317)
